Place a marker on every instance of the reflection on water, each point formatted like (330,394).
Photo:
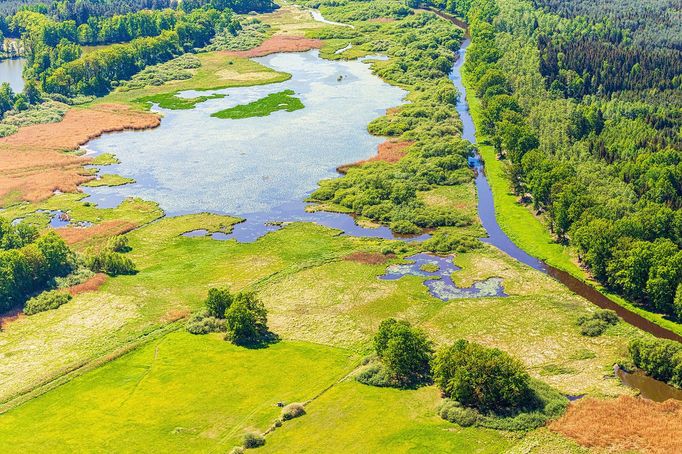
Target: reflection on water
(10,71)
(439,272)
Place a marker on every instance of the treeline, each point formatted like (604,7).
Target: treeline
(28,262)
(56,59)
(605,170)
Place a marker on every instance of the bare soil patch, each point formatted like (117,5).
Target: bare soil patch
(389,151)
(279,43)
(92,284)
(624,424)
(369,258)
(33,163)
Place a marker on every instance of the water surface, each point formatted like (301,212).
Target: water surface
(10,71)
(259,168)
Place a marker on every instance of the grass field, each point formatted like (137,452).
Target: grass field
(182,393)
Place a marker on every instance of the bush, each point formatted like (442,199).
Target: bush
(596,323)
(292,411)
(46,301)
(659,358)
(454,412)
(404,351)
(218,301)
(253,440)
(202,323)
(118,243)
(404,227)
(485,378)
(449,242)
(246,320)
(377,375)
(111,263)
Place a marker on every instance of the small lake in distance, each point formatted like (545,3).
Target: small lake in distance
(10,71)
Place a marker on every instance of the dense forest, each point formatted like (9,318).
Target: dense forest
(586,111)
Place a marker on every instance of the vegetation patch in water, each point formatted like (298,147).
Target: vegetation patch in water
(263,107)
(173,102)
(109,179)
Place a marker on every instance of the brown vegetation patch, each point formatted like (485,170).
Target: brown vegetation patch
(10,316)
(369,258)
(382,20)
(279,43)
(107,229)
(92,284)
(389,151)
(174,315)
(624,424)
(33,163)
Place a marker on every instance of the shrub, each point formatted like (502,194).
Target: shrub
(246,320)
(404,227)
(453,411)
(293,410)
(595,324)
(118,243)
(111,263)
(203,323)
(218,301)
(46,301)
(377,375)
(448,242)
(253,440)
(77,276)
(485,378)
(404,351)
(660,358)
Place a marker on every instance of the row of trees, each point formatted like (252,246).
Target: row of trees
(28,262)
(18,102)
(605,170)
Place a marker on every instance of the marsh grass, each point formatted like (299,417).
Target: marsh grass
(263,107)
(174,102)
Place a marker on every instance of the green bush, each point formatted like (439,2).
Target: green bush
(253,440)
(293,410)
(46,301)
(485,378)
(659,358)
(246,320)
(453,411)
(377,375)
(111,263)
(203,323)
(449,242)
(404,227)
(404,351)
(218,301)
(118,243)
(595,324)
(77,276)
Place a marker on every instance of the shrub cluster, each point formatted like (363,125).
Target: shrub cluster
(660,358)
(253,32)
(451,242)
(293,410)
(176,69)
(45,301)
(110,259)
(203,323)
(595,324)
(253,440)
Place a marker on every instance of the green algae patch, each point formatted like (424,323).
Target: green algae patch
(173,102)
(108,179)
(263,107)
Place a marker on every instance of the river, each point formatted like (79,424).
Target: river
(11,71)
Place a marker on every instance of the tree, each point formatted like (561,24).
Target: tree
(678,302)
(218,301)
(485,378)
(32,93)
(405,351)
(246,320)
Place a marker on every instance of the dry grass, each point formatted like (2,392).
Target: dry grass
(33,163)
(369,258)
(92,284)
(107,229)
(390,151)
(279,43)
(174,315)
(624,424)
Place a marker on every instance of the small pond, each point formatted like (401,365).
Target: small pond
(10,71)
(258,168)
(439,272)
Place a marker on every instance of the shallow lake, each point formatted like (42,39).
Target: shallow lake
(252,166)
(10,71)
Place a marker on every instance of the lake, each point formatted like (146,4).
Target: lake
(10,71)
(252,166)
